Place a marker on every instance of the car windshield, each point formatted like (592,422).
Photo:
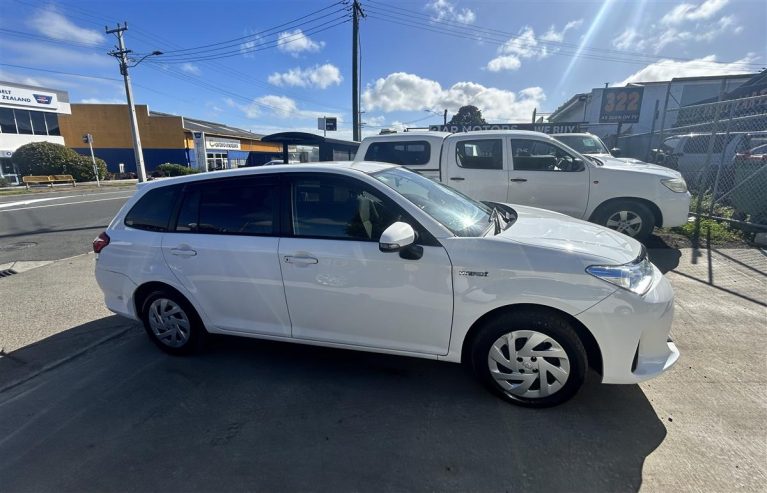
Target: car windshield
(585,144)
(457,212)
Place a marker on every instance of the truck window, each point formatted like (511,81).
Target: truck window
(536,155)
(479,154)
(410,153)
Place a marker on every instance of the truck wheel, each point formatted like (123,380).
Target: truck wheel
(629,217)
(172,323)
(531,358)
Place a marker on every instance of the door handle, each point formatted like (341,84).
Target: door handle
(518,180)
(457,178)
(300,260)
(183,252)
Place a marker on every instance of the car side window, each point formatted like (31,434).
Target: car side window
(479,154)
(536,155)
(152,211)
(230,207)
(334,207)
(410,153)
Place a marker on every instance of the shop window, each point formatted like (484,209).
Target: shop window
(23,121)
(7,122)
(52,122)
(38,123)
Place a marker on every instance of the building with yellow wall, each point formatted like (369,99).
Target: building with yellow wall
(164,138)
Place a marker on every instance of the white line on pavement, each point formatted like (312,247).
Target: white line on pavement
(58,205)
(45,199)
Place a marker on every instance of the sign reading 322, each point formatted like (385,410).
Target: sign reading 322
(621,105)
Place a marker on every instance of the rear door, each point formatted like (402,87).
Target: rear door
(342,289)
(223,249)
(545,175)
(477,166)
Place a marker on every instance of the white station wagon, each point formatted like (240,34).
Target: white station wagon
(374,257)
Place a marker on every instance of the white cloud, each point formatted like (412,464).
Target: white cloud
(190,68)
(321,76)
(444,10)
(526,45)
(49,22)
(295,42)
(684,23)
(690,12)
(668,69)
(102,101)
(246,48)
(279,106)
(44,54)
(408,92)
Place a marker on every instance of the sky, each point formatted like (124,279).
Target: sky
(270,66)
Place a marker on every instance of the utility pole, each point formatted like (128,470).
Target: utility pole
(444,117)
(356,13)
(122,57)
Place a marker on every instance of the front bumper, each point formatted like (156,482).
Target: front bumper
(675,208)
(633,332)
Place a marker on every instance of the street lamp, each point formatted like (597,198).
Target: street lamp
(121,54)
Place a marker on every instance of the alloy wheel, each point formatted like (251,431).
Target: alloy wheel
(626,222)
(528,364)
(169,323)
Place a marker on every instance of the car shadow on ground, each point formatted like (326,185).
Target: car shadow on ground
(259,415)
(664,256)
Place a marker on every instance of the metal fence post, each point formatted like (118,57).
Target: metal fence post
(704,173)
(725,145)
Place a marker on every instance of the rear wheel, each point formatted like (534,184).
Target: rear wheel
(172,323)
(629,217)
(531,358)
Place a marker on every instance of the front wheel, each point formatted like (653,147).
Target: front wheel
(531,358)
(631,218)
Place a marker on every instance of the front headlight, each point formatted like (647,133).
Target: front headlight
(635,277)
(675,184)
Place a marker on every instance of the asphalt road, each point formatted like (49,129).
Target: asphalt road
(55,225)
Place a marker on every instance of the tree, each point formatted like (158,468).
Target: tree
(467,115)
(46,158)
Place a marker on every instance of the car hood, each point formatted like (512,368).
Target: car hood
(631,164)
(547,229)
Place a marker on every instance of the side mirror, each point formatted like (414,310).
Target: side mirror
(578,164)
(396,237)
(615,151)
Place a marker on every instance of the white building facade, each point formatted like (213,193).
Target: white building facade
(28,114)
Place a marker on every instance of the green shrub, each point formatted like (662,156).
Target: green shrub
(171,169)
(720,232)
(4,182)
(46,158)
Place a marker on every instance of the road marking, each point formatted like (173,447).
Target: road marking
(66,203)
(45,199)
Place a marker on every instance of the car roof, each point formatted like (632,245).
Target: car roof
(574,134)
(345,167)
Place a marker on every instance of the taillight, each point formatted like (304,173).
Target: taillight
(100,242)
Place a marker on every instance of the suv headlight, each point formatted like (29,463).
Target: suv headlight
(675,184)
(635,276)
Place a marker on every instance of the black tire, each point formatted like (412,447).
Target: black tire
(197,335)
(606,212)
(548,324)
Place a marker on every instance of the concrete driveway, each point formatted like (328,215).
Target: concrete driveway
(253,415)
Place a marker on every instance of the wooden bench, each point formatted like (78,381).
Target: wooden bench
(47,180)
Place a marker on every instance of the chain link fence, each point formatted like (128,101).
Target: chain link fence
(721,151)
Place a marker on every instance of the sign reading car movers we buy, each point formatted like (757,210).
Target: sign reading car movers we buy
(547,128)
(28,97)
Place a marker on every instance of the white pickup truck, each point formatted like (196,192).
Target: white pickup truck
(533,169)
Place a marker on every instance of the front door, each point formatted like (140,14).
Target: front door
(476,167)
(223,250)
(546,176)
(341,288)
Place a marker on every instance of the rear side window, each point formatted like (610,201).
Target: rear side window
(152,211)
(403,153)
(242,207)
(479,154)
(698,144)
